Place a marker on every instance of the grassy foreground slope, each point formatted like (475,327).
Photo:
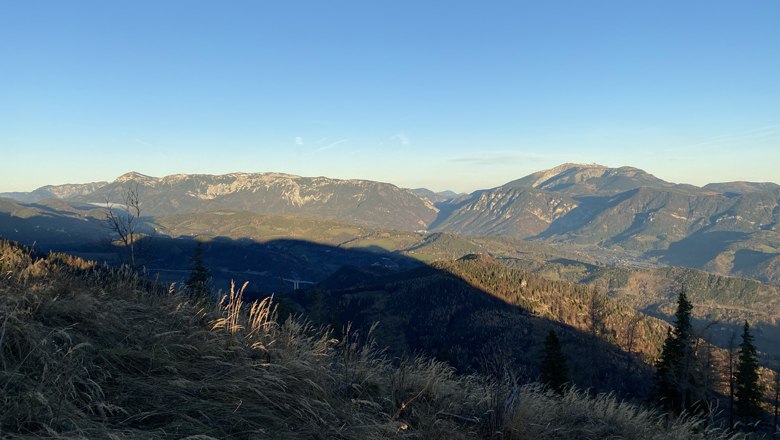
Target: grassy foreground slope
(87,352)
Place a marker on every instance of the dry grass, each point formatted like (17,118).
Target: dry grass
(575,415)
(88,352)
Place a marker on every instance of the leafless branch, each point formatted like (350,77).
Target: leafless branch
(125,225)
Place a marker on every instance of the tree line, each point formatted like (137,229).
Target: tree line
(681,375)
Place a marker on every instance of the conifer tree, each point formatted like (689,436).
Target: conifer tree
(555,372)
(776,418)
(731,373)
(678,385)
(748,390)
(198,283)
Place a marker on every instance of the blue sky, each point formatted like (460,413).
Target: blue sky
(443,94)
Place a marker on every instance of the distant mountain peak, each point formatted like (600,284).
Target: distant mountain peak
(134,176)
(574,178)
(545,175)
(569,165)
(434,196)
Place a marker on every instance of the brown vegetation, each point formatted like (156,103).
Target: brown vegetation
(580,306)
(87,352)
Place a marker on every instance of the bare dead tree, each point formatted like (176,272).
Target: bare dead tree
(125,224)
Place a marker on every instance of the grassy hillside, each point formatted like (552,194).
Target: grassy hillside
(87,352)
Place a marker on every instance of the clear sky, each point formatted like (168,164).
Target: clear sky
(445,94)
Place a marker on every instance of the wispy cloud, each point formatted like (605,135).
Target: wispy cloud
(298,140)
(331,145)
(507,157)
(402,138)
(758,133)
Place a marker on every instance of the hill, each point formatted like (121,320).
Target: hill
(52,223)
(273,251)
(435,197)
(724,228)
(66,191)
(741,187)
(88,352)
(578,179)
(359,202)
(722,303)
(474,310)
(728,228)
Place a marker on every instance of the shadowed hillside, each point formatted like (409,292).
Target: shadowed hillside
(88,352)
(474,311)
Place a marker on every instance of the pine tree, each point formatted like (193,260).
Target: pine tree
(198,283)
(666,370)
(748,390)
(776,418)
(555,373)
(678,384)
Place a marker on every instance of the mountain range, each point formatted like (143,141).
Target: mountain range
(613,229)
(727,228)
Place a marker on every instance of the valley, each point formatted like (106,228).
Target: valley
(623,216)
(389,220)
(472,280)
(612,229)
